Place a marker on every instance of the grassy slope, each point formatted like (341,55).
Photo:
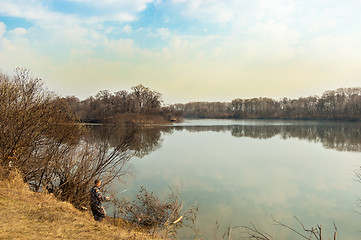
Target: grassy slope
(28,215)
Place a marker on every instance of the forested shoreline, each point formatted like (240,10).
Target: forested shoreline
(143,105)
(340,104)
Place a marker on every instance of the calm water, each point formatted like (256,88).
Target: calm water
(247,171)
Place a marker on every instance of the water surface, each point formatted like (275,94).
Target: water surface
(242,171)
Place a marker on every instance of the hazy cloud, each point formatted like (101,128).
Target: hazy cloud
(134,5)
(127,29)
(164,33)
(213,11)
(2,29)
(36,10)
(263,47)
(18,31)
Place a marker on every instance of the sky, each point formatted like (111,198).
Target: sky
(188,50)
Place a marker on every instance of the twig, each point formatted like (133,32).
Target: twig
(256,233)
(283,225)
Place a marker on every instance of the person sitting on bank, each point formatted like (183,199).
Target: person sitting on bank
(96,199)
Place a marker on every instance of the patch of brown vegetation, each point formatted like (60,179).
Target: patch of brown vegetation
(30,215)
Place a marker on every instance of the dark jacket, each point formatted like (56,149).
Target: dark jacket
(96,197)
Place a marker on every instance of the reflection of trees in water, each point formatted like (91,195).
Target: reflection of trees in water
(338,136)
(143,140)
(146,141)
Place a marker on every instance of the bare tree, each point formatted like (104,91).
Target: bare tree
(32,121)
(94,157)
(39,136)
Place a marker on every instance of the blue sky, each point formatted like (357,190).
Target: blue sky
(189,50)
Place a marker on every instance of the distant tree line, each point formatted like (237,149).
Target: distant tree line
(140,105)
(143,105)
(340,104)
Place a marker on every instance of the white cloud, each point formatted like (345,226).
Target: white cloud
(164,33)
(18,31)
(275,8)
(77,53)
(36,11)
(213,11)
(2,29)
(120,17)
(126,5)
(123,47)
(76,35)
(127,29)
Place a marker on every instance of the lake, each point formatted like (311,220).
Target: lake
(242,171)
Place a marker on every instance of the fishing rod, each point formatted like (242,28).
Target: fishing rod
(125,190)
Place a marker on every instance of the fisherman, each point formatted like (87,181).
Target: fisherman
(95,201)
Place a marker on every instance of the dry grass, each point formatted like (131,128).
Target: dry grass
(28,215)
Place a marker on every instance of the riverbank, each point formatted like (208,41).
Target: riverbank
(29,215)
(135,118)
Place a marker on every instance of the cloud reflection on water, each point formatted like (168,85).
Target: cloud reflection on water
(242,173)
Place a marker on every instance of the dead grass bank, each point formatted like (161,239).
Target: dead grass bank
(28,215)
